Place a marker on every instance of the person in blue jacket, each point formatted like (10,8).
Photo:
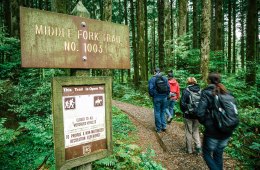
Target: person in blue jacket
(159,99)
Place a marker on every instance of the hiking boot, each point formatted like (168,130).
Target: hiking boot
(164,130)
(169,120)
(198,151)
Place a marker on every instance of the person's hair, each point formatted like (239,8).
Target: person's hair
(191,80)
(214,78)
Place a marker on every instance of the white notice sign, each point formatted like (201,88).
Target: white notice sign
(83,114)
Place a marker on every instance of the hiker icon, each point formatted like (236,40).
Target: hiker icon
(69,103)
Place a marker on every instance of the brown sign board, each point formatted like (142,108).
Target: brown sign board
(82,120)
(54,40)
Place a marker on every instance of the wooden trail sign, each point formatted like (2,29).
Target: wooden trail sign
(82,120)
(54,40)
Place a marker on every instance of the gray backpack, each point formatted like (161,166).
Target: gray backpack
(194,99)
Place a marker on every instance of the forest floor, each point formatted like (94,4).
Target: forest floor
(169,146)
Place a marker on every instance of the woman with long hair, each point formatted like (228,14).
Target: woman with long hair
(214,141)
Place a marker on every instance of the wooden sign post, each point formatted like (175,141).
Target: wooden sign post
(81,105)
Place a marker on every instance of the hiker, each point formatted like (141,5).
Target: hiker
(159,89)
(214,141)
(189,101)
(173,96)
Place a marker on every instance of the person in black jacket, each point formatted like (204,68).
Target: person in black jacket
(214,141)
(190,119)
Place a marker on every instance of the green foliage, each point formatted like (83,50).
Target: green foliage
(33,142)
(125,154)
(126,93)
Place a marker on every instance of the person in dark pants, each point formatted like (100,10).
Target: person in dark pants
(214,141)
(159,100)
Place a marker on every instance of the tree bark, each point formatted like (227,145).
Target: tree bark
(160,8)
(59,6)
(195,25)
(182,17)
(141,47)
(250,43)
(219,25)
(168,41)
(213,28)
(205,39)
(229,37)
(234,38)
(135,59)
(242,23)
(126,23)
(146,38)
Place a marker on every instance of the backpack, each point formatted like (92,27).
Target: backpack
(225,112)
(194,99)
(161,85)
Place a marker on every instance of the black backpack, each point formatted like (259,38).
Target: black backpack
(161,85)
(194,99)
(225,112)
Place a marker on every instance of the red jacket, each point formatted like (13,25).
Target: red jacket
(174,88)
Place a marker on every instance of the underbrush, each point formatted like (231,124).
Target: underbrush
(125,154)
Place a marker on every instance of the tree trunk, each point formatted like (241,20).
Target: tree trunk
(250,43)
(168,34)
(126,23)
(146,38)
(135,59)
(160,8)
(15,18)
(219,35)
(195,25)
(219,25)
(242,23)
(205,39)
(182,25)
(7,17)
(107,11)
(59,6)
(229,37)
(213,28)
(234,38)
(152,47)
(141,47)
(182,17)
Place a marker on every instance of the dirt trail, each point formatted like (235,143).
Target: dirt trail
(170,145)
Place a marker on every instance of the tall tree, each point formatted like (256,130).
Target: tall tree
(213,24)
(135,59)
(251,42)
(160,8)
(141,47)
(219,35)
(7,16)
(242,23)
(146,37)
(195,38)
(205,39)
(182,17)
(219,25)
(229,36)
(126,23)
(234,37)
(167,23)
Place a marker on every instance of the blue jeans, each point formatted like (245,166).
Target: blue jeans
(170,108)
(160,105)
(213,152)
